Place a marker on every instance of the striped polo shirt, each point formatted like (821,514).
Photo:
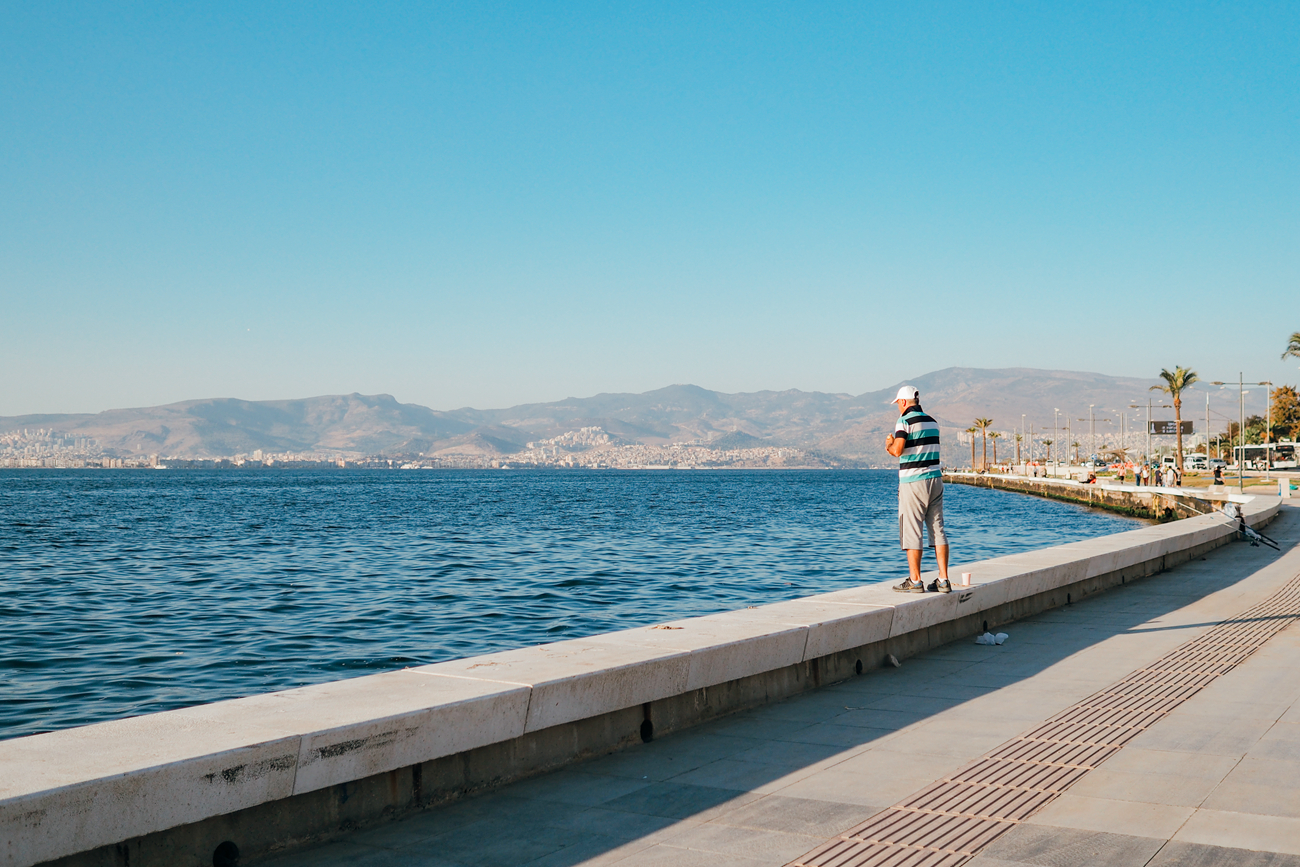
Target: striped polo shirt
(920,457)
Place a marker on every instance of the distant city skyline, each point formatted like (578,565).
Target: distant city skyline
(489,205)
(769,427)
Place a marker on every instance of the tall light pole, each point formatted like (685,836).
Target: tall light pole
(1022,433)
(1092,433)
(1057,439)
(1148,429)
(1139,406)
(1241,429)
(1268,431)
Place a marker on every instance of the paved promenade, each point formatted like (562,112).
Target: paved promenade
(1214,781)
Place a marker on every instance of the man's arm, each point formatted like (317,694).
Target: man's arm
(895,444)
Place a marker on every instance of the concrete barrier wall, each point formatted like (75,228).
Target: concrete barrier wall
(269,771)
(1144,501)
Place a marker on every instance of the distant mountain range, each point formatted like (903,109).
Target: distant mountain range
(840,425)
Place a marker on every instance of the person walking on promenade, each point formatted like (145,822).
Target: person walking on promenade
(915,442)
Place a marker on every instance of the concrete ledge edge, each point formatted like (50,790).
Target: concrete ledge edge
(72,791)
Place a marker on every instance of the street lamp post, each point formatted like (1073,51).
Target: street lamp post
(1241,429)
(1268,431)
(1056,437)
(1092,433)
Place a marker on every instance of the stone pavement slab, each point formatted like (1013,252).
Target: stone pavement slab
(1203,786)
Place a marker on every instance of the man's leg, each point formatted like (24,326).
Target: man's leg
(934,524)
(914,563)
(911,518)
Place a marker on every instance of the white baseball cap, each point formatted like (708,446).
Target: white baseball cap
(907,392)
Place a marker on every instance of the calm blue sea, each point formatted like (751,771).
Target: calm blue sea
(128,592)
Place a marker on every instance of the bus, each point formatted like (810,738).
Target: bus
(1266,455)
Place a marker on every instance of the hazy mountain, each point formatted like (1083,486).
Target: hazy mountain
(844,425)
(352,423)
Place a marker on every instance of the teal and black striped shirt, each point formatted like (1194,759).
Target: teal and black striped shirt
(920,457)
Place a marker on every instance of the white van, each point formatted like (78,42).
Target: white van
(1168,461)
(1196,462)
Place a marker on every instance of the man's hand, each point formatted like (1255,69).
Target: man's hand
(894,445)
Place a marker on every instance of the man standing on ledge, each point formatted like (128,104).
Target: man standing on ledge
(915,442)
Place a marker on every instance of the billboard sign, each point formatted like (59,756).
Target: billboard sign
(1168,428)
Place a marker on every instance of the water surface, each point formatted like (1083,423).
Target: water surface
(128,592)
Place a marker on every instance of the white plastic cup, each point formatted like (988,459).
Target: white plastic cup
(965,579)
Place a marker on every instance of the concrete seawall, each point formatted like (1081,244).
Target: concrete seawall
(267,772)
(1147,501)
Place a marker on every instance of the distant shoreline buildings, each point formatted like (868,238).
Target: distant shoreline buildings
(587,448)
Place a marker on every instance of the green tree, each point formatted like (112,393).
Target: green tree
(1286,412)
(995,436)
(1256,430)
(1176,383)
(983,425)
(972,431)
(1292,346)
(1048,443)
(1018,439)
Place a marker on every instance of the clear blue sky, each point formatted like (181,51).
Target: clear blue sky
(478,204)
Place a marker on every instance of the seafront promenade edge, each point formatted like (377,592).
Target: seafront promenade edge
(1154,502)
(1154,725)
(269,771)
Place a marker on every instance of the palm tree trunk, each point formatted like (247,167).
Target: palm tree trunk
(984,461)
(1178,430)
(972,451)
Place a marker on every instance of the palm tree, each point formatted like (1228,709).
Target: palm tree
(1175,383)
(1018,439)
(1076,445)
(972,431)
(1048,443)
(983,425)
(1292,346)
(995,436)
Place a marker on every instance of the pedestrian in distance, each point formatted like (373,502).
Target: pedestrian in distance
(915,442)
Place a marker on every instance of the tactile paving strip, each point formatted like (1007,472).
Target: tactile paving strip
(950,821)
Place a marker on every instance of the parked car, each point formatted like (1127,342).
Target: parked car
(1217,462)
(1195,462)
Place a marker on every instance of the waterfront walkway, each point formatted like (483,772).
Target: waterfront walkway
(1210,782)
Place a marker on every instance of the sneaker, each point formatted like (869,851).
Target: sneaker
(910,586)
(943,586)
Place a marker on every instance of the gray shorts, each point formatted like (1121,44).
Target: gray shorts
(921,503)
